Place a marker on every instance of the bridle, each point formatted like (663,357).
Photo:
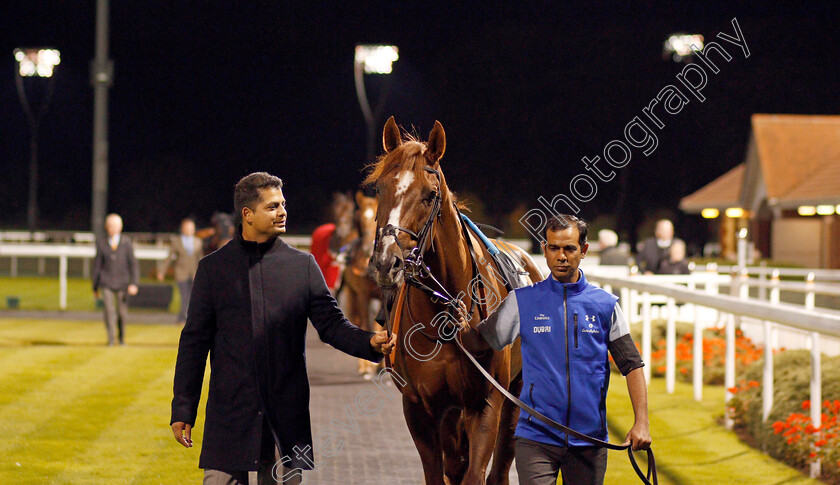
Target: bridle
(415,271)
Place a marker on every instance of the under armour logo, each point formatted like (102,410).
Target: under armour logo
(590,318)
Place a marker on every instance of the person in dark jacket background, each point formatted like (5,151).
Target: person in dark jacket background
(115,276)
(656,249)
(249,307)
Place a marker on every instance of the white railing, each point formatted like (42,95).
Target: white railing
(815,323)
(63,252)
(86,252)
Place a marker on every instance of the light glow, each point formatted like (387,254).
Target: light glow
(825,210)
(680,45)
(37,62)
(377,59)
(735,212)
(709,213)
(806,210)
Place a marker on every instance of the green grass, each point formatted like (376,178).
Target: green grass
(689,444)
(73,411)
(41,293)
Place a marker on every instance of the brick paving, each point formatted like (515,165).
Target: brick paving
(374,449)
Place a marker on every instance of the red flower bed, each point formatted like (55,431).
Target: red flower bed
(808,443)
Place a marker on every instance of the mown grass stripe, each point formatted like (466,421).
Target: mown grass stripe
(58,421)
(104,460)
(27,371)
(52,332)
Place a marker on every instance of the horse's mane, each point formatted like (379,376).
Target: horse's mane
(407,155)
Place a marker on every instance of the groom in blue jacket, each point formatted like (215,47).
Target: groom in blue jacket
(567,327)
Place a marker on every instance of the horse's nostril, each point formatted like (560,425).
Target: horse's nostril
(397,264)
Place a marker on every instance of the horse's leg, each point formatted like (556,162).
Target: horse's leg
(503,453)
(482,428)
(424,432)
(353,313)
(453,439)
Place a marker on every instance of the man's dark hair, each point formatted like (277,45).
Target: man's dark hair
(563,222)
(247,190)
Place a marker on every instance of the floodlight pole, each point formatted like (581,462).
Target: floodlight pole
(101,76)
(361,92)
(34,119)
(371,115)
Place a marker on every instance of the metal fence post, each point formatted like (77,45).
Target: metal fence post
(62,282)
(816,393)
(646,331)
(697,368)
(671,347)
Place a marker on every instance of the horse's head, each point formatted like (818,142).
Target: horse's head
(408,184)
(341,211)
(365,221)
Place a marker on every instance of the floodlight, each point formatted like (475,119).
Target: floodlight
(38,62)
(679,45)
(377,59)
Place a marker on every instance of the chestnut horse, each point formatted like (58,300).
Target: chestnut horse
(456,418)
(357,279)
(327,239)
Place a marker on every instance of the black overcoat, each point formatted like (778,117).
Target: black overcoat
(249,307)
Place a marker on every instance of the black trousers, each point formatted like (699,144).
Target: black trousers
(539,463)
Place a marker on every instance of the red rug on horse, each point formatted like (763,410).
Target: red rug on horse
(320,249)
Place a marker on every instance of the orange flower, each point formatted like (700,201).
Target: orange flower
(806,405)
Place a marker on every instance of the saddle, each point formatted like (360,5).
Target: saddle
(510,268)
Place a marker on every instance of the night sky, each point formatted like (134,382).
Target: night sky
(206,92)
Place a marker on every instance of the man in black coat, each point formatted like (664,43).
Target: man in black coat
(115,276)
(656,249)
(249,307)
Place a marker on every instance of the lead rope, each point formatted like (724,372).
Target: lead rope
(395,327)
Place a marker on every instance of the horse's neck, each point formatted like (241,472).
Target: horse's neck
(362,252)
(450,261)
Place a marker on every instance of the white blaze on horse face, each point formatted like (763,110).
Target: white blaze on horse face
(368,213)
(404,180)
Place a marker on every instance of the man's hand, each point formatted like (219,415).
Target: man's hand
(159,275)
(462,315)
(132,290)
(381,343)
(183,433)
(639,436)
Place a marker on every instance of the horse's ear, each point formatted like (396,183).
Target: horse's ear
(437,143)
(360,198)
(391,135)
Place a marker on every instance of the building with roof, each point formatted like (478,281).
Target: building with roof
(786,192)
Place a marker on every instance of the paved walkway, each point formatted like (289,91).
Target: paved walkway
(374,448)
